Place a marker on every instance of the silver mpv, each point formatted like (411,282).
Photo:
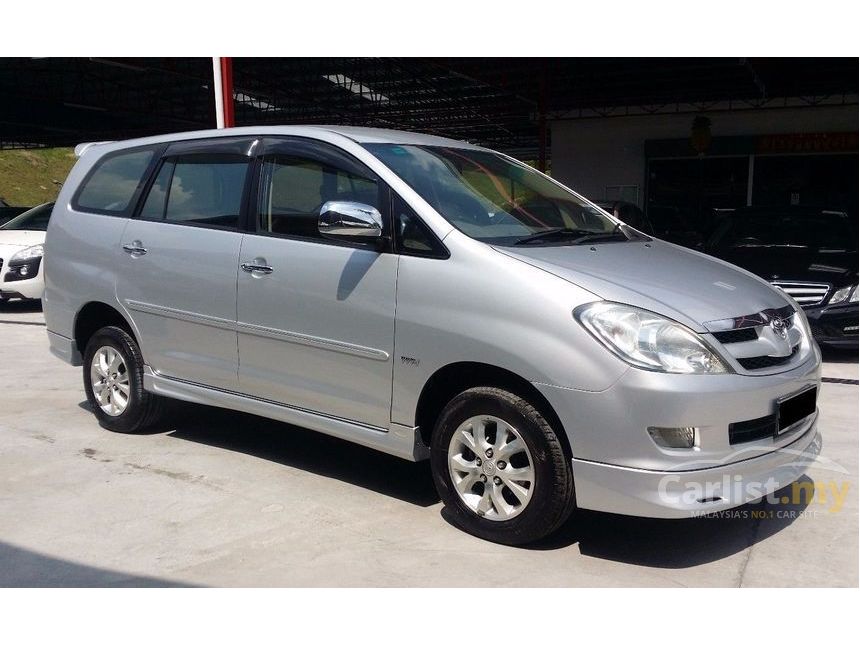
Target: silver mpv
(430,299)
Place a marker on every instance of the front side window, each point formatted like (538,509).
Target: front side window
(198,189)
(113,183)
(413,236)
(294,189)
(493,199)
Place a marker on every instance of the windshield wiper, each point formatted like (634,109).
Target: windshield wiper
(551,233)
(592,236)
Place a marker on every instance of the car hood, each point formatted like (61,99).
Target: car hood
(681,284)
(13,241)
(802,264)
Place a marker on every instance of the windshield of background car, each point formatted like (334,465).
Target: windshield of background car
(801,230)
(491,198)
(35,219)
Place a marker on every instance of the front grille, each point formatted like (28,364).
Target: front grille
(736,335)
(763,362)
(752,430)
(807,294)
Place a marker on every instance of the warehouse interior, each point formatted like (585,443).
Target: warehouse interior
(681,139)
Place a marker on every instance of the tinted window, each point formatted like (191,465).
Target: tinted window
(205,189)
(113,183)
(293,190)
(35,219)
(413,236)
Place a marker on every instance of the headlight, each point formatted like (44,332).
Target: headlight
(848,293)
(648,340)
(30,253)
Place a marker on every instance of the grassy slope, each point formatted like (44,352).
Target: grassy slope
(26,175)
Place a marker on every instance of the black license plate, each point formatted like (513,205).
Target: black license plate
(795,408)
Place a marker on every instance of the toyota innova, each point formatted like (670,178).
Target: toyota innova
(431,299)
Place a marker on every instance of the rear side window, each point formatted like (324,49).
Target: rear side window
(114,182)
(198,189)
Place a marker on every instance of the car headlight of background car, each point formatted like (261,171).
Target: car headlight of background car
(844,294)
(25,263)
(647,340)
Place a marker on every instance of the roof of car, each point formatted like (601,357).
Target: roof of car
(357,134)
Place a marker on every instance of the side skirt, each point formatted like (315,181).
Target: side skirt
(398,440)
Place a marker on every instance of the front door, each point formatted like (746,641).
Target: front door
(315,317)
(178,282)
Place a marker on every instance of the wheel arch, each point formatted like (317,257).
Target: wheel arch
(93,316)
(448,381)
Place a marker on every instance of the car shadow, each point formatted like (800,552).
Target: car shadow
(675,544)
(303,449)
(20,306)
(26,568)
(671,544)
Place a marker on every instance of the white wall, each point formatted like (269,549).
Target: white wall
(591,154)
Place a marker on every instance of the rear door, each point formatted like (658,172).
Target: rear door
(180,259)
(316,327)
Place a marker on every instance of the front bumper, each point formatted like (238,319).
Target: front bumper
(617,467)
(834,325)
(690,493)
(33,287)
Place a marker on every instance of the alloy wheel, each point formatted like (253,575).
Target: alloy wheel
(491,467)
(109,381)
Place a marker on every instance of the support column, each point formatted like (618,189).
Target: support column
(222,73)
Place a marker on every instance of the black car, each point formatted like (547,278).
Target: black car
(810,253)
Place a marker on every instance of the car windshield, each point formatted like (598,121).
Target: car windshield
(495,200)
(822,230)
(35,219)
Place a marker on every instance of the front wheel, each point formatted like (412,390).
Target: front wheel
(113,380)
(500,468)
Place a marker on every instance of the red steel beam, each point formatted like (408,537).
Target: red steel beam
(227,92)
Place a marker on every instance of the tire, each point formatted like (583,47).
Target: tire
(549,496)
(141,409)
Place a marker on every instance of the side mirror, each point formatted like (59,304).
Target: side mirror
(350,220)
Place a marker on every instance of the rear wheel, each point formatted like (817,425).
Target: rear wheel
(113,381)
(499,467)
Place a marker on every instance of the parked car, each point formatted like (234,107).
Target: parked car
(430,299)
(21,247)
(8,212)
(810,253)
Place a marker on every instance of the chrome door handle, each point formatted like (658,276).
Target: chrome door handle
(134,249)
(257,268)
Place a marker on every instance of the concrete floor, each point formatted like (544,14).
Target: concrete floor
(226,499)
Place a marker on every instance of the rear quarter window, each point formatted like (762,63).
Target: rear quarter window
(113,184)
